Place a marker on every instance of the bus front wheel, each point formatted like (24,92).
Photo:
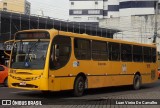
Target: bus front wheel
(79,86)
(137,82)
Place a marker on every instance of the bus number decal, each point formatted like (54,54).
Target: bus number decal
(124,68)
(75,64)
(101,64)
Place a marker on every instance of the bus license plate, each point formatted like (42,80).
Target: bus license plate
(22,83)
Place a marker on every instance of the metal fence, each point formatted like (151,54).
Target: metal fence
(11,22)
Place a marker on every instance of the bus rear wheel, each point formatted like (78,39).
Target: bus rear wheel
(79,86)
(137,82)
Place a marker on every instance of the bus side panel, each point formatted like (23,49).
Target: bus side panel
(146,79)
(99,81)
(54,84)
(67,83)
(151,75)
(44,84)
(123,80)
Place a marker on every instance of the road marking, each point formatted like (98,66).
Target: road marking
(20,92)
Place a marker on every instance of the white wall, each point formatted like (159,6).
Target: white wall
(136,11)
(86,5)
(85,18)
(134,28)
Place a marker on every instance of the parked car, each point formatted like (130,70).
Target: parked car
(158,73)
(3,75)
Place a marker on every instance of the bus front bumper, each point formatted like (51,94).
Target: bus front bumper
(32,84)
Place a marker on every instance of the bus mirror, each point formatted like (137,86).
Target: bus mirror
(7,46)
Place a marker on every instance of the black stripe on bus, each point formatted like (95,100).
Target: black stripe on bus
(102,75)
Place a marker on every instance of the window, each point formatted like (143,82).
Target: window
(4,4)
(60,52)
(154,55)
(147,54)
(114,51)
(77,18)
(82,49)
(27,9)
(137,53)
(126,52)
(93,11)
(158,8)
(1,68)
(99,50)
(72,3)
(92,18)
(77,12)
(4,9)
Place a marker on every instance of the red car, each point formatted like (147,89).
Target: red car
(159,73)
(3,75)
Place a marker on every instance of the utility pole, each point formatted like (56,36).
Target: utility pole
(155,29)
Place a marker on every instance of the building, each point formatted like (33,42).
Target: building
(121,8)
(86,10)
(93,10)
(134,18)
(18,6)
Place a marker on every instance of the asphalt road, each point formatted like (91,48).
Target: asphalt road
(148,91)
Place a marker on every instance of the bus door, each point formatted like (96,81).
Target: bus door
(59,63)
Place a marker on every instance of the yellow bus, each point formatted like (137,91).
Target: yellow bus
(53,60)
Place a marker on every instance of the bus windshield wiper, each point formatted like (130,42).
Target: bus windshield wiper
(29,50)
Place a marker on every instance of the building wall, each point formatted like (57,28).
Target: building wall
(20,6)
(86,10)
(109,8)
(134,28)
(136,7)
(27,9)
(112,8)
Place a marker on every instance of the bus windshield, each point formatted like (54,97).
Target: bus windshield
(29,54)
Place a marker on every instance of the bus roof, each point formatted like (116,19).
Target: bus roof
(87,36)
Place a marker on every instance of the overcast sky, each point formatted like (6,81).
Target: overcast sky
(52,8)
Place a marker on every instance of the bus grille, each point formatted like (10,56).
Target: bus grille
(27,85)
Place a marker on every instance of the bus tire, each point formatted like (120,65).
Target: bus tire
(137,82)
(6,82)
(79,86)
(46,92)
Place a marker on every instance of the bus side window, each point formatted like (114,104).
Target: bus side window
(56,47)
(137,53)
(126,52)
(61,51)
(114,51)
(154,54)
(54,57)
(82,49)
(99,50)
(147,54)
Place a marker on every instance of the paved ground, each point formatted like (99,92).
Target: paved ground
(111,97)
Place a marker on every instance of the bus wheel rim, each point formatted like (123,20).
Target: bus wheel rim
(137,82)
(80,86)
